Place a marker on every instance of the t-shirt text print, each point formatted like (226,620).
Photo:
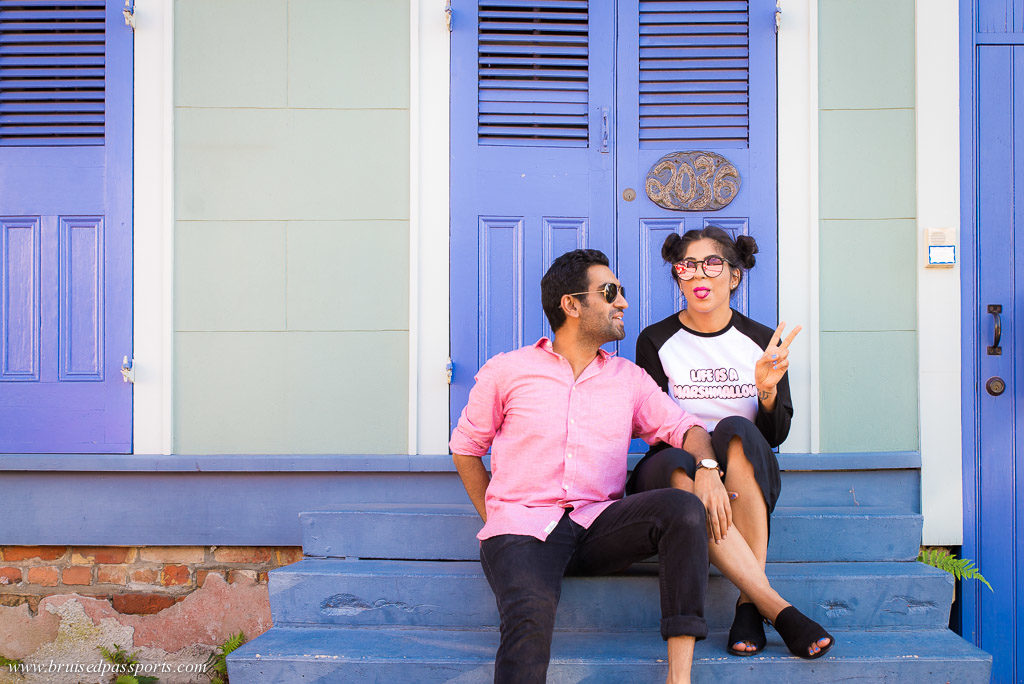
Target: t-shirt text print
(714,383)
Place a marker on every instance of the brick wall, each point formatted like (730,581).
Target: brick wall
(137,580)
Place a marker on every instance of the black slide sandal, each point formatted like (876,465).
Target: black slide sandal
(747,626)
(801,632)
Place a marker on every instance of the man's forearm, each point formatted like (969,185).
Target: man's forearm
(475,479)
(697,441)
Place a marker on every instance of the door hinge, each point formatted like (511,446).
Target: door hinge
(128,370)
(449,370)
(129,14)
(778,15)
(448,15)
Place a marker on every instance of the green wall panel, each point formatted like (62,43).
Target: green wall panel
(868,275)
(292,237)
(287,164)
(866,54)
(348,275)
(231,53)
(229,275)
(867,164)
(354,47)
(869,391)
(291,392)
(868,228)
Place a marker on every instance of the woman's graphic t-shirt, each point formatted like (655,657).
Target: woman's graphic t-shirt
(711,375)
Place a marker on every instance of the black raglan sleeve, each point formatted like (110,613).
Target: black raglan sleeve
(647,358)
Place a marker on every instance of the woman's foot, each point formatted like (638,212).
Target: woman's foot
(746,637)
(804,637)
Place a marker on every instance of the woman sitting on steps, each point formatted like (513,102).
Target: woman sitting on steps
(730,372)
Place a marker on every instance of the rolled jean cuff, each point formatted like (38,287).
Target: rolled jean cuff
(684,625)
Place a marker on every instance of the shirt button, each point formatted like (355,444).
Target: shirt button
(572,420)
(569,456)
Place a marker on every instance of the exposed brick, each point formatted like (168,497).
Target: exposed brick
(77,574)
(242,554)
(144,575)
(13,600)
(289,555)
(45,576)
(262,577)
(141,604)
(173,554)
(174,575)
(241,576)
(111,574)
(46,553)
(82,555)
(201,576)
(9,576)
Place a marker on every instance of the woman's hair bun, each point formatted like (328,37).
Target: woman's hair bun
(746,248)
(670,250)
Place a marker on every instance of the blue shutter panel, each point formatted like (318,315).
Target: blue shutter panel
(52,72)
(533,61)
(694,58)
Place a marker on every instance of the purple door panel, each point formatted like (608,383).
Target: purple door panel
(65,227)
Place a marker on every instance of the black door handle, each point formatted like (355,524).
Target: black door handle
(995,310)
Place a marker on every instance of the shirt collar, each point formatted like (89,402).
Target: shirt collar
(545,344)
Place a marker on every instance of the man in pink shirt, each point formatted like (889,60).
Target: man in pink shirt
(558,417)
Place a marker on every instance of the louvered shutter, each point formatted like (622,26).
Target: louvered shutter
(694,73)
(533,61)
(52,72)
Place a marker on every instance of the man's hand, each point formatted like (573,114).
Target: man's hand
(709,488)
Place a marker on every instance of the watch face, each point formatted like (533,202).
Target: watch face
(708,463)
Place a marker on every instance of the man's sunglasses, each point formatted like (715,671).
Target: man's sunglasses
(609,290)
(712,267)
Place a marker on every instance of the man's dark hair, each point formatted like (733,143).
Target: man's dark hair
(567,274)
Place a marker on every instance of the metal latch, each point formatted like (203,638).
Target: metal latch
(449,369)
(128,370)
(129,13)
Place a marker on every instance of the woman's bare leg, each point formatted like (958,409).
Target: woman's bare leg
(737,562)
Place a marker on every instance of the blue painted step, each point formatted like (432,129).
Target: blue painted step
(429,655)
(448,532)
(456,594)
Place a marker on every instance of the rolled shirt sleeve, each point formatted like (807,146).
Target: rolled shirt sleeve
(483,415)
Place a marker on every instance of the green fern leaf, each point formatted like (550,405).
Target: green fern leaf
(960,568)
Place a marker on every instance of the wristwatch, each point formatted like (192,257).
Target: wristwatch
(708,463)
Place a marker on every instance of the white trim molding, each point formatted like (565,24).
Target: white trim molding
(938,289)
(153,227)
(430,90)
(798,212)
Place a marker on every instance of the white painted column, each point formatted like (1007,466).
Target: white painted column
(798,213)
(428,228)
(938,289)
(153,219)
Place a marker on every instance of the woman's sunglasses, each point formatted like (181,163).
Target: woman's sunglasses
(687,268)
(609,290)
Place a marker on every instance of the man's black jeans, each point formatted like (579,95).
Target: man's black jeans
(525,573)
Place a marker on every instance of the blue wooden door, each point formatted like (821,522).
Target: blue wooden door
(993,309)
(65,226)
(558,106)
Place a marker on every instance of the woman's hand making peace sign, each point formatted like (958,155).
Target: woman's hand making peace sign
(772,365)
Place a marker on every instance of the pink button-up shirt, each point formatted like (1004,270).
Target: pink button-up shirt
(558,442)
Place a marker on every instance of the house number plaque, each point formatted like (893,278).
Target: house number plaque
(693,181)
